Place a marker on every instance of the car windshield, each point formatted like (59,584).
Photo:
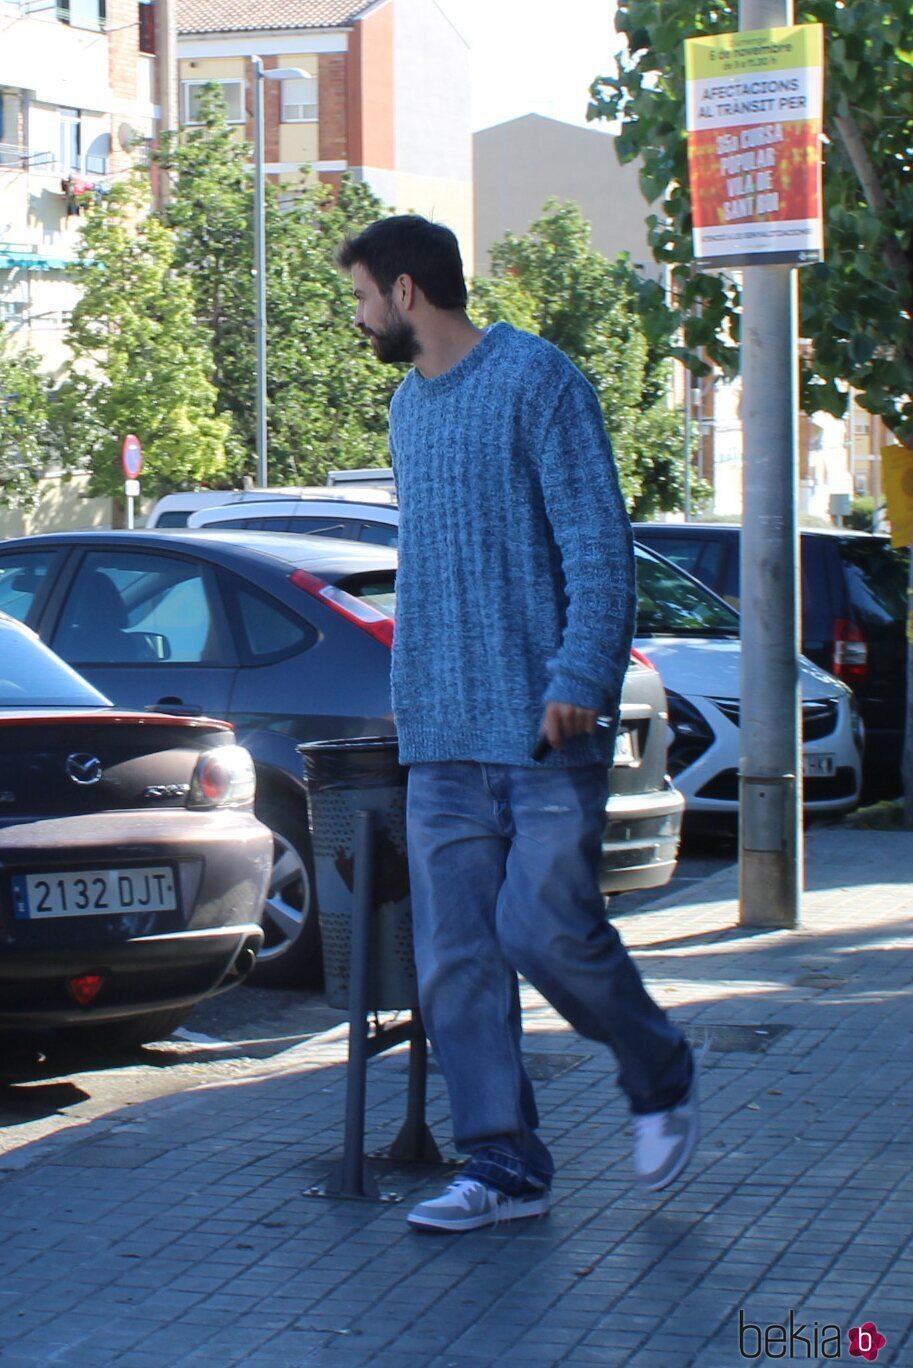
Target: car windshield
(877,577)
(31,676)
(670,603)
(378,588)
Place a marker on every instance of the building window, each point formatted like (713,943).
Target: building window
(190,99)
(11,150)
(299,101)
(85,14)
(147,27)
(70,142)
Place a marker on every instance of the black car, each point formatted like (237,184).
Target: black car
(288,637)
(854,588)
(132,869)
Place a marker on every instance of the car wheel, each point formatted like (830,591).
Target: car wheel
(290,954)
(127,1034)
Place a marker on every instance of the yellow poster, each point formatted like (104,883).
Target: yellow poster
(754,120)
(897,482)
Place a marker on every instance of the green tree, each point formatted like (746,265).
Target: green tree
(24,436)
(552,281)
(856,304)
(327,395)
(139,363)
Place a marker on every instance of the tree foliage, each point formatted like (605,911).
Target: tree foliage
(856,304)
(24,436)
(327,395)
(553,282)
(139,363)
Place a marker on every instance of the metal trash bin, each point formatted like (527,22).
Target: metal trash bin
(344,777)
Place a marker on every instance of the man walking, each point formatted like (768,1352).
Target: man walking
(514,618)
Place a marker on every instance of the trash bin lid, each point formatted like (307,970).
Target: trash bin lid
(353,762)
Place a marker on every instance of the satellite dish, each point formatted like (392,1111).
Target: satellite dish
(127,136)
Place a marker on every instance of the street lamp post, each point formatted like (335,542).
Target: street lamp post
(260,74)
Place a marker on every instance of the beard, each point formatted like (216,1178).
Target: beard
(396,342)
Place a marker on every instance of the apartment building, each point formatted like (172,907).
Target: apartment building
(386,96)
(76,97)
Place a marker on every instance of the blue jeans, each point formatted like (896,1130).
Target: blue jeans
(503,862)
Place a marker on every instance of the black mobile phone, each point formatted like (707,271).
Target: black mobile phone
(541,749)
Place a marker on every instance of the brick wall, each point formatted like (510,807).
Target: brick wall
(123,53)
(333,141)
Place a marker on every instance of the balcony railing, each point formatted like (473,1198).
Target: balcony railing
(17,158)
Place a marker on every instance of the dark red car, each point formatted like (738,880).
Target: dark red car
(132,870)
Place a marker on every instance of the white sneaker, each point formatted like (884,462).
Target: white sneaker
(468,1204)
(665,1141)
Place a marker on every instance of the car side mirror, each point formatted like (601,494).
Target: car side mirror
(158,644)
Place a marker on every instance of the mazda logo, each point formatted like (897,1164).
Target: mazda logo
(83,768)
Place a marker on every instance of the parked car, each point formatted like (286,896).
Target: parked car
(368,519)
(692,637)
(178,510)
(854,587)
(132,869)
(289,638)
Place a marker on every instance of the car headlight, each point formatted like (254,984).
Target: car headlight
(857,726)
(224,777)
(691,733)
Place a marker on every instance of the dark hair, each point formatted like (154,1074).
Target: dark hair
(407,244)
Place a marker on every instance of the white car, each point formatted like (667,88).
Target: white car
(690,634)
(356,514)
(180,510)
(692,637)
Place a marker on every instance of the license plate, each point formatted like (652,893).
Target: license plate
(624,749)
(94,892)
(818,766)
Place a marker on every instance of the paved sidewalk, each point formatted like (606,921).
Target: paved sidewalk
(181,1233)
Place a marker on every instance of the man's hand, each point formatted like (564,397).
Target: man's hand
(564,720)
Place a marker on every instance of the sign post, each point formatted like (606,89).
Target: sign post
(131,458)
(754,104)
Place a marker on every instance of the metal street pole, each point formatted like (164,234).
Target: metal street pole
(259,276)
(770,783)
(260,75)
(687,472)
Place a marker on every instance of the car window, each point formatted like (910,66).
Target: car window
(876,577)
(23,577)
(699,555)
(268,631)
(327,527)
(250,524)
(126,607)
(671,604)
(380,534)
(31,676)
(175,517)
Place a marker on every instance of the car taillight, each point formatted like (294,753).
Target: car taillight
(358,611)
(224,777)
(851,652)
(642,659)
(85,988)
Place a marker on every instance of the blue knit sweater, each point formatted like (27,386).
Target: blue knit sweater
(516,578)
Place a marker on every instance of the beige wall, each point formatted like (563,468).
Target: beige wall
(520,164)
(444,201)
(62,507)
